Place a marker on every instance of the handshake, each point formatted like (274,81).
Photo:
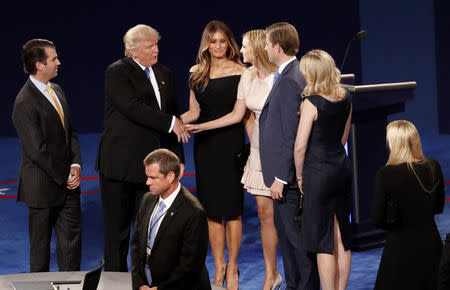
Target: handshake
(182,131)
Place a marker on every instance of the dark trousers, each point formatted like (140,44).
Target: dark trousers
(120,202)
(300,267)
(444,267)
(66,220)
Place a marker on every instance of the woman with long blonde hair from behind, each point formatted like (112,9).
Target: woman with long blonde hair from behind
(254,87)
(409,191)
(323,168)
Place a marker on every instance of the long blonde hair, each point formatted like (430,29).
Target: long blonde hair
(200,77)
(405,146)
(321,74)
(257,42)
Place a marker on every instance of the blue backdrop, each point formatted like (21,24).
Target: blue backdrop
(401,45)
(88,37)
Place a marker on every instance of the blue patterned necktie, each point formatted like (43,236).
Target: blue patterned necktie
(147,72)
(156,220)
(277,75)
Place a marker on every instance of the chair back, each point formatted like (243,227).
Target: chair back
(93,277)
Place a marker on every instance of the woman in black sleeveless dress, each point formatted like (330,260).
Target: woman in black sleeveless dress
(213,83)
(323,168)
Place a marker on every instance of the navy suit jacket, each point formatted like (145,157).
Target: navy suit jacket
(278,125)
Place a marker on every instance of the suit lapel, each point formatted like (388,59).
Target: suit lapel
(45,104)
(277,83)
(170,214)
(148,215)
(272,91)
(65,108)
(142,78)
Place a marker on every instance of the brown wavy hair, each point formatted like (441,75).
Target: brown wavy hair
(199,78)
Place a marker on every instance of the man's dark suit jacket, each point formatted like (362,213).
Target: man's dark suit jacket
(134,125)
(48,149)
(177,260)
(278,126)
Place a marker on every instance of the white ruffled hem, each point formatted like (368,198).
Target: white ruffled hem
(254,183)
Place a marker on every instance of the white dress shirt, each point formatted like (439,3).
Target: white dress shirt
(42,88)
(168,203)
(155,89)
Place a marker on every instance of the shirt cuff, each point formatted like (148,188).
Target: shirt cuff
(173,124)
(282,181)
(73,165)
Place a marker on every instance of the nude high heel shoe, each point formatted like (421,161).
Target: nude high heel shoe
(277,283)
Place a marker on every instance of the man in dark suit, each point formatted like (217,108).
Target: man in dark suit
(140,115)
(170,236)
(49,174)
(278,127)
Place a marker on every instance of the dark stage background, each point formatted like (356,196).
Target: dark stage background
(88,37)
(407,40)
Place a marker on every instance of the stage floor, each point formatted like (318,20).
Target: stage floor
(14,244)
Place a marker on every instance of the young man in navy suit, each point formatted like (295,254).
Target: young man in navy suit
(278,127)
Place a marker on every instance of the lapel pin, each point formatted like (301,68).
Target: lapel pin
(171,213)
(163,82)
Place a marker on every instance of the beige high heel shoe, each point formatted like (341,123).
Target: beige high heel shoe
(277,283)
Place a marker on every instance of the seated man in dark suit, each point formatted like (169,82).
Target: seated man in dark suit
(170,237)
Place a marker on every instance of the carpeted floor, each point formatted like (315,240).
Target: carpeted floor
(14,245)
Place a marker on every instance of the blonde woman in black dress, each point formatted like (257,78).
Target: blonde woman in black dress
(213,89)
(323,168)
(413,187)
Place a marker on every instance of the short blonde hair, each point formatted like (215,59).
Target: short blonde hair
(136,34)
(321,74)
(404,142)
